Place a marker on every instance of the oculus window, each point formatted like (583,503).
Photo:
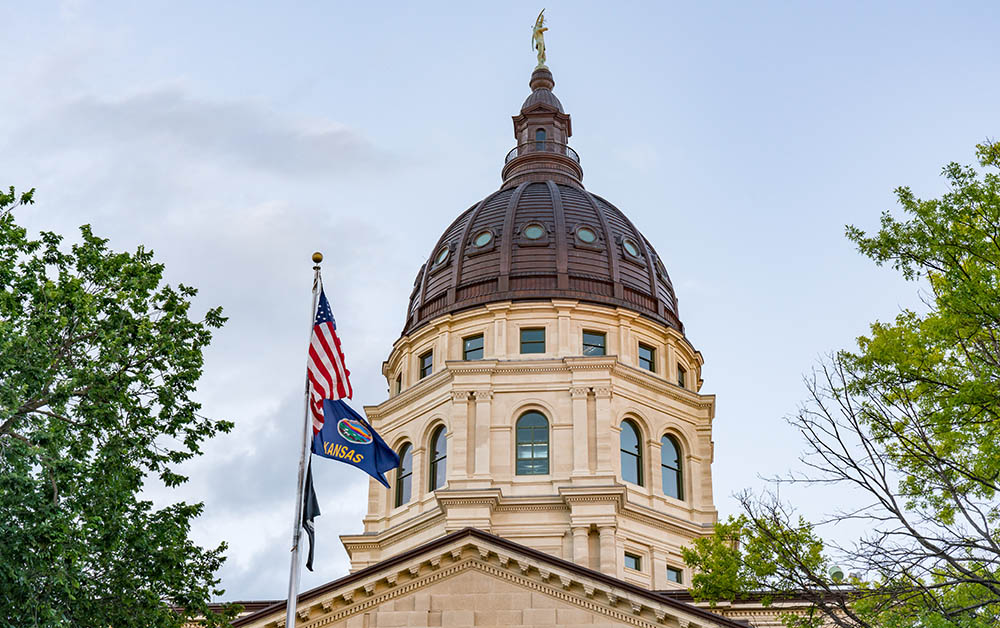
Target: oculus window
(633,561)
(631,248)
(594,343)
(472,348)
(670,467)
(532,444)
(484,238)
(442,256)
(439,459)
(631,453)
(534,231)
(533,340)
(404,475)
(586,235)
(647,357)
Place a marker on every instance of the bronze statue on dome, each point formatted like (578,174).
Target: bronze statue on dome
(538,38)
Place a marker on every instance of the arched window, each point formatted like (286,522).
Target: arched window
(532,444)
(439,459)
(670,466)
(539,139)
(404,475)
(631,451)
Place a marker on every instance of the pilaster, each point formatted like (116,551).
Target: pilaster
(609,560)
(604,444)
(459,438)
(659,567)
(581,554)
(484,407)
(581,437)
(654,447)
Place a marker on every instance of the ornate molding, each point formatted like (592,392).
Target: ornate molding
(661,386)
(526,573)
(578,392)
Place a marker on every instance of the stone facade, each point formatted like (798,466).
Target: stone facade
(470,578)
(558,451)
(580,510)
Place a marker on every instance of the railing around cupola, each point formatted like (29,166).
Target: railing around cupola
(541,146)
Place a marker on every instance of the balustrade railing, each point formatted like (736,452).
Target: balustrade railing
(542,146)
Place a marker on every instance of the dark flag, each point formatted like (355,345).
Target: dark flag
(346,436)
(310,510)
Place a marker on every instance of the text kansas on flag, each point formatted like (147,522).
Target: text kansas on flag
(339,432)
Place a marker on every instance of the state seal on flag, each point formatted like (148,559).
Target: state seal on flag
(354,431)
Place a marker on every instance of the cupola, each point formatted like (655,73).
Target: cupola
(542,131)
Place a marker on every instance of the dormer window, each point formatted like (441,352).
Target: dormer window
(539,139)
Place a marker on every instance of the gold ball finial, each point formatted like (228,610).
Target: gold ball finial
(317,257)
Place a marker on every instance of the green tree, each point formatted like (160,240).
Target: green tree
(911,419)
(98,360)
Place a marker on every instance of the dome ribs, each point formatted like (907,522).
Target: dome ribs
(609,239)
(558,265)
(527,241)
(650,267)
(463,243)
(507,240)
(438,300)
(536,258)
(562,264)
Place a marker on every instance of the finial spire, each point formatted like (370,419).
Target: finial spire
(538,38)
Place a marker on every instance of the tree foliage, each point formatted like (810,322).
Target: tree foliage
(98,361)
(911,418)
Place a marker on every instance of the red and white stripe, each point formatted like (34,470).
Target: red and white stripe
(328,377)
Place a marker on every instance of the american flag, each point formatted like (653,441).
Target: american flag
(328,377)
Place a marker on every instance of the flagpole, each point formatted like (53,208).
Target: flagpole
(293,576)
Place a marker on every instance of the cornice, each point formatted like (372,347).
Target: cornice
(662,520)
(476,497)
(579,363)
(470,549)
(399,532)
(420,390)
(614,493)
(647,380)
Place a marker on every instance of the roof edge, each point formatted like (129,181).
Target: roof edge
(475,533)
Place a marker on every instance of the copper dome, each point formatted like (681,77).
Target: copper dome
(542,235)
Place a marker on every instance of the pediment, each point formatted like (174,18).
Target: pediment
(471,578)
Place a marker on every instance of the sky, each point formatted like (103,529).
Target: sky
(235,138)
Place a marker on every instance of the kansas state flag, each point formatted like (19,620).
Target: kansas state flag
(346,436)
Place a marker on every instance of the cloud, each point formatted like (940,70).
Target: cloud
(167,120)
(232,197)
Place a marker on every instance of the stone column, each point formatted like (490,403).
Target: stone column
(604,439)
(609,560)
(483,422)
(581,437)
(457,466)
(581,541)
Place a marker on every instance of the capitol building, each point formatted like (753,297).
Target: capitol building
(556,452)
